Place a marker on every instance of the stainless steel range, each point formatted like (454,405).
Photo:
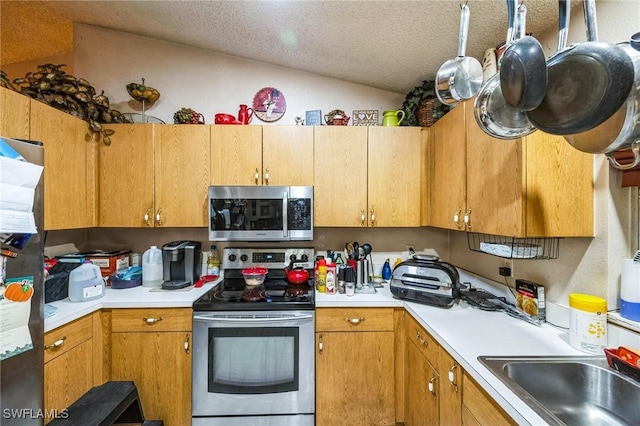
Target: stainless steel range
(253,348)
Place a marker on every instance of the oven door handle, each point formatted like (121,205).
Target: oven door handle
(245,320)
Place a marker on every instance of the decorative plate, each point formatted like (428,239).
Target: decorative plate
(269,104)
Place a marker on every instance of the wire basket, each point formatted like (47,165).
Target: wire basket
(514,248)
(135,117)
(424,113)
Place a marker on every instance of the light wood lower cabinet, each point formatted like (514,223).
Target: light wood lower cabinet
(355,366)
(152,347)
(68,367)
(433,380)
(479,408)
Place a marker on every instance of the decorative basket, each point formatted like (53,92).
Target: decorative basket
(424,113)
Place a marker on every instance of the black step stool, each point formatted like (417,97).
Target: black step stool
(107,404)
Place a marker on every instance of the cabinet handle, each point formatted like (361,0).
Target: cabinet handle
(320,344)
(256,176)
(146,217)
(467,219)
(362,217)
(419,338)
(158,218)
(456,218)
(266,176)
(186,344)
(56,344)
(373,216)
(152,320)
(452,377)
(354,321)
(432,386)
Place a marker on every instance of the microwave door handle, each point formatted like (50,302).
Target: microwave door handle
(244,320)
(285,215)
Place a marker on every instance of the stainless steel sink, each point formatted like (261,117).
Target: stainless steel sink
(571,390)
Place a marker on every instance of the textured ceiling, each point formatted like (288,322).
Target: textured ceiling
(390,45)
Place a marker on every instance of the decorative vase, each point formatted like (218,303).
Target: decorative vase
(424,113)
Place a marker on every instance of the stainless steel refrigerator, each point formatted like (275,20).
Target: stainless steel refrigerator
(22,374)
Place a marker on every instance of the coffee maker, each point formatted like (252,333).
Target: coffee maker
(181,264)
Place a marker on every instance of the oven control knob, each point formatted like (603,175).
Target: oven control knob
(232,257)
(305,258)
(244,258)
(292,257)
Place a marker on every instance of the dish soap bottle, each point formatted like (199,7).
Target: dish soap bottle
(213,261)
(386,270)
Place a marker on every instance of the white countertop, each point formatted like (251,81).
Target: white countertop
(467,333)
(136,297)
(463,331)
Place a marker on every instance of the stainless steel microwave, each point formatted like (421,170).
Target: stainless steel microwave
(261,213)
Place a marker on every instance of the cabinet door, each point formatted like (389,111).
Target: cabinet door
(495,182)
(559,188)
(68,377)
(340,176)
(448,170)
(182,169)
(355,378)
(68,178)
(287,155)
(237,150)
(14,114)
(161,368)
(394,163)
(450,390)
(125,177)
(421,404)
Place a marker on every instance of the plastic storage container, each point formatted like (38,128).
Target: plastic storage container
(588,323)
(86,283)
(630,290)
(152,267)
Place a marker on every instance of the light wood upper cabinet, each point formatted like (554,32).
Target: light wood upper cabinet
(69,172)
(394,171)
(535,186)
(126,174)
(262,155)
(155,175)
(237,152)
(340,176)
(287,155)
(448,183)
(369,176)
(14,114)
(182,166)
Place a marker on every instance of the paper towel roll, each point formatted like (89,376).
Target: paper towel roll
(630,290)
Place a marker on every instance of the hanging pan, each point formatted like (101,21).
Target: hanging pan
(493,114)
(587,83)
(523,72)
(460,78)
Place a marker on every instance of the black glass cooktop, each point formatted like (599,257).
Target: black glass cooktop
(275,294)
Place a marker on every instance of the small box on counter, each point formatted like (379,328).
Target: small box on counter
(530,299)
(108,261)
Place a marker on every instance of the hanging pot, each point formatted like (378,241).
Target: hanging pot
(493,114)
(587,83)
(460,78)
(523,72)
(622,130)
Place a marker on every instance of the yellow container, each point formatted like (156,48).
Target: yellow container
(588,323)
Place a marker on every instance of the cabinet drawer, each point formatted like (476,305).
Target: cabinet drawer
(420,337)
(151,319)
(354,319)
(67,337)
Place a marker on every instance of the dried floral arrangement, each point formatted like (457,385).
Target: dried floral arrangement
(75,96)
